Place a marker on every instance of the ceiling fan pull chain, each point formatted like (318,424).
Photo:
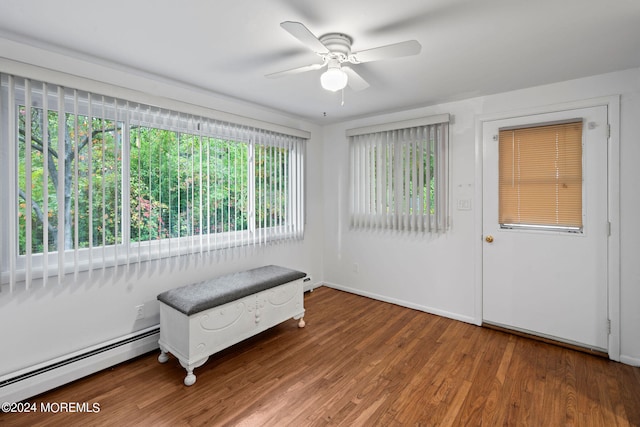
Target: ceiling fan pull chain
(342,103)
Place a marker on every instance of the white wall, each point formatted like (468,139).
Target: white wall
(438,274)
(434,274)
(42,324)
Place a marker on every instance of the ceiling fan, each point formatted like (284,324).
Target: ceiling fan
(335,51)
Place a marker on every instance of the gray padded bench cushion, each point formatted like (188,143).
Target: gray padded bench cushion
(201,296)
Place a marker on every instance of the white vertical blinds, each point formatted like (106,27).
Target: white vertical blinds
(95,181)
(399,177)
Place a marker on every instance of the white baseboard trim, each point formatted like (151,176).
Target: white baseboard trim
(628,360)
(31,381)
(310,287)
(426,309)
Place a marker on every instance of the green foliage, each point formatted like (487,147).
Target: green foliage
(184,185)
(272,178)
(179,184)
(95,191)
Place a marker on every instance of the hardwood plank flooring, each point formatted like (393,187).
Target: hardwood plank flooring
(361,362)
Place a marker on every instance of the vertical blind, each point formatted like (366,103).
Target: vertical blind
(96,181)
(540,176)
(399,179)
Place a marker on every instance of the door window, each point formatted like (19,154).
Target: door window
(540,177)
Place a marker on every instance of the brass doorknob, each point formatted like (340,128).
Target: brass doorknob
(489,238)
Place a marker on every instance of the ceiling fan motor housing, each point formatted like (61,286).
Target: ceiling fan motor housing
(339,46)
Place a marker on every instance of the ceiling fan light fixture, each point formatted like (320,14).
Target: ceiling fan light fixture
(334,79)
(335,49)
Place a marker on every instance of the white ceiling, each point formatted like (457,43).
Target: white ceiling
(469,47)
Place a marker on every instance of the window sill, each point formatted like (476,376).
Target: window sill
(85,260)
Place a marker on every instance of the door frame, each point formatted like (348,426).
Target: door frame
(613,204)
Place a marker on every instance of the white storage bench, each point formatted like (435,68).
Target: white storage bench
(201,319)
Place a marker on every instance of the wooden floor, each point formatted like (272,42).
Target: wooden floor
(361,362)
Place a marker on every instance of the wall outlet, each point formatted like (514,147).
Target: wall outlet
(139,311)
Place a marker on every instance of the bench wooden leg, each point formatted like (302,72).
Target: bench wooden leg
(163,356)
(190,379)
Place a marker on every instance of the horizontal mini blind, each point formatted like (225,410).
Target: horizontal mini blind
(104,182)
(540,176)
(399,178)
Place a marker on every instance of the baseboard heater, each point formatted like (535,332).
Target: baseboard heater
(37,379)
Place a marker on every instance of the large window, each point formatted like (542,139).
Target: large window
(100,181)
(399,176)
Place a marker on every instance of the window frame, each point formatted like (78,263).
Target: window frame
(25,267)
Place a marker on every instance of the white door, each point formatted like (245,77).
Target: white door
(543,281)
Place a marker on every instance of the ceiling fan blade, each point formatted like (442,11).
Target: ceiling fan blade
(303,34)
(408,48)
(355,80)
(297,70)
